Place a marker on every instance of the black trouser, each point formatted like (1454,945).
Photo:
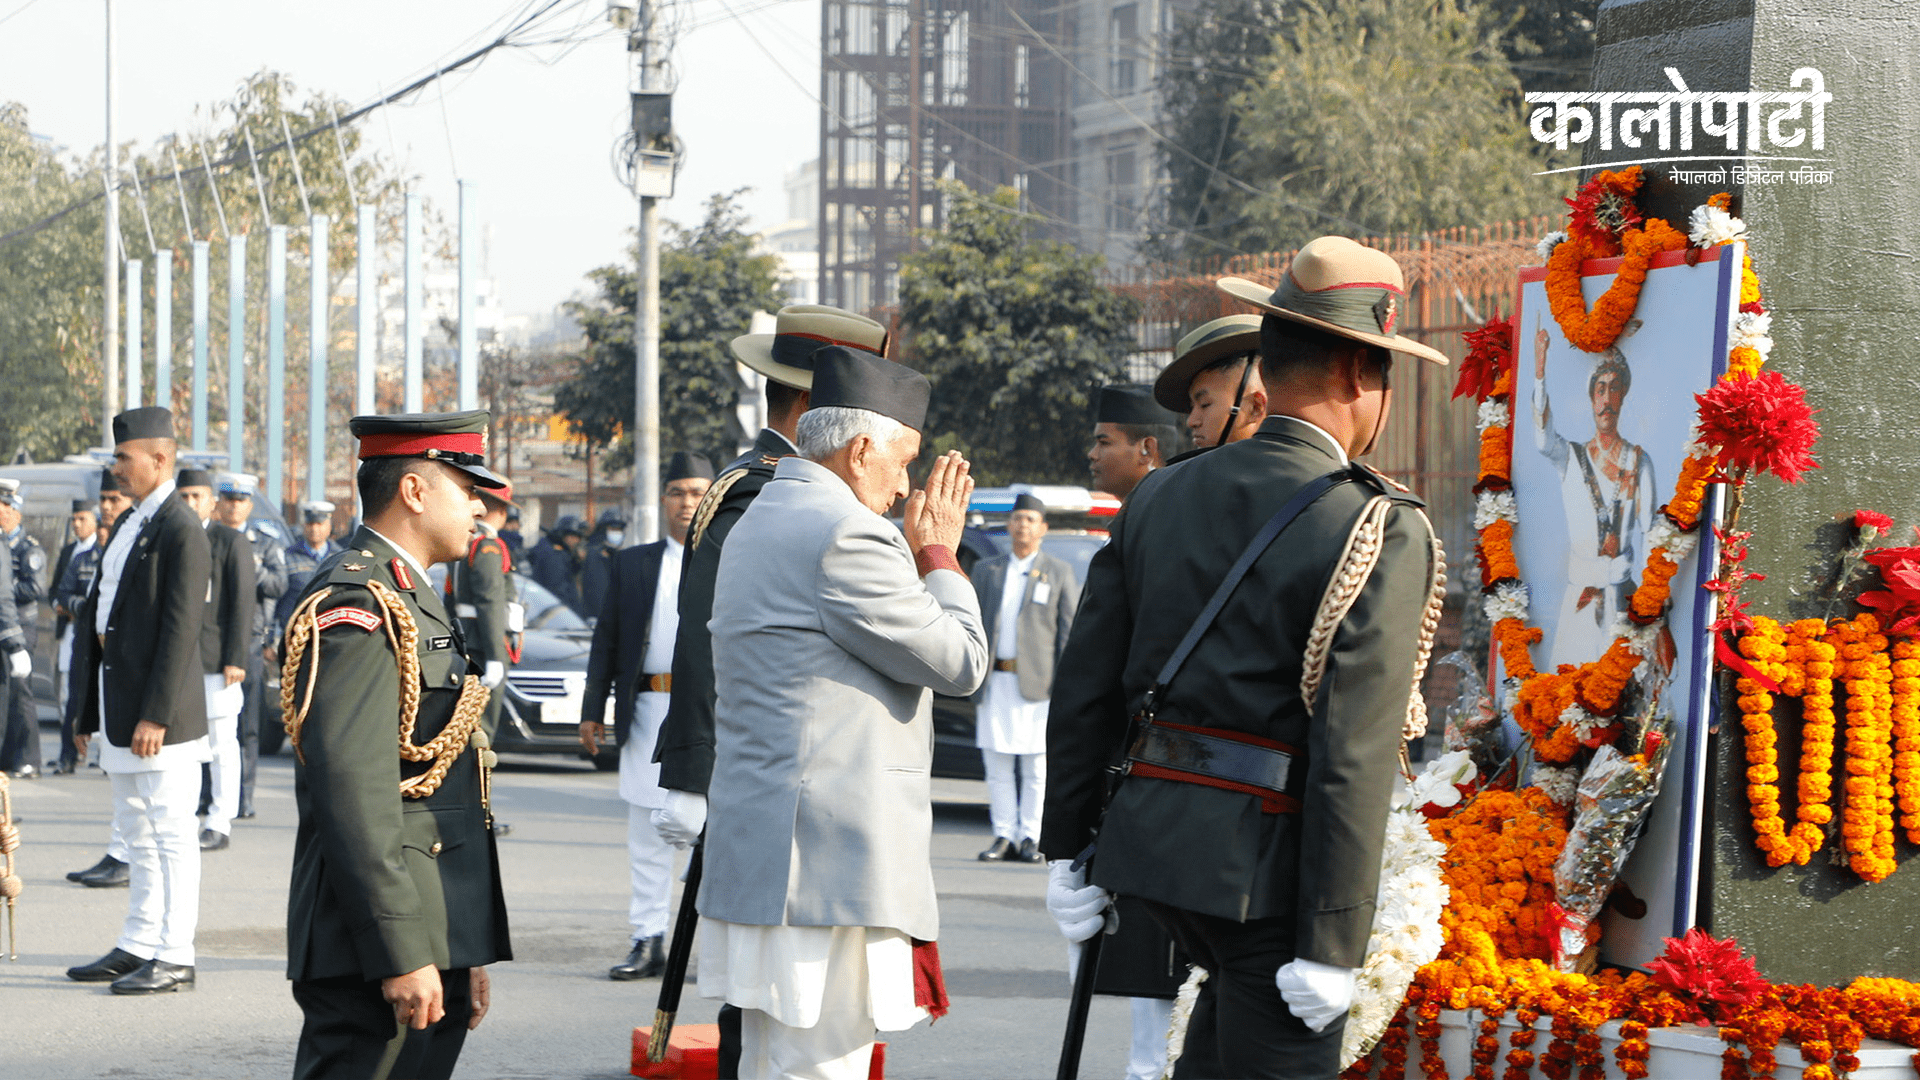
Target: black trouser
(1241,1028)
(21,746)
(350,1032)
(250,728)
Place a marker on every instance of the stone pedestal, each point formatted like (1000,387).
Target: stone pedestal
(1840,267)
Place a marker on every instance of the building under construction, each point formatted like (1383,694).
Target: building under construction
(915,91)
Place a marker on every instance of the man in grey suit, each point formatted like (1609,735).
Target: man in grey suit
(1027,599)
(829,626)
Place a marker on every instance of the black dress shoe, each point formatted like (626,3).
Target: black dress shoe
(155,977)
(114,965)
(59,768)
(107,862)
(113,877)
(1001,850)
(1029,851)
(648,960)
(245,814)
(212,841)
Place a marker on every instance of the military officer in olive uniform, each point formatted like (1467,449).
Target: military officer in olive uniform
(485,602)
(395,906)
(1257,847)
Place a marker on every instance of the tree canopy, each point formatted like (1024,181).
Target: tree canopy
(1014,333)
(711,283)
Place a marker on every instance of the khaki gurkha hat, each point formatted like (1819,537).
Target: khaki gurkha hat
(786,355)
(1205,344)
(1342,287)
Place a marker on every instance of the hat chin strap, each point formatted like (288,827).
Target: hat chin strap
(1380,418)
(1233,414)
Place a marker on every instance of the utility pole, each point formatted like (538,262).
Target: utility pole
(109,324)
(652,181)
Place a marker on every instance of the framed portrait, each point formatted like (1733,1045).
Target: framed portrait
(1598,440)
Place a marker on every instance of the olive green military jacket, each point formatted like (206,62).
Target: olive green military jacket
(482,587)
(685,745)
(1201,848)
(382,884)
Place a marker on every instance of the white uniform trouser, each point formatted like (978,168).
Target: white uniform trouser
(223,732)
(1147,1057)
(839,1046)
(1013,804)
(650,865)
(153,815)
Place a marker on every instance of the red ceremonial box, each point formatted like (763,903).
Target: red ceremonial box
(693,1053)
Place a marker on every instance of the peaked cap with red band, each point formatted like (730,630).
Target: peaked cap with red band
(456,439)
(786,355)
(1342,287)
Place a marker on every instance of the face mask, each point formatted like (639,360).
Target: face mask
(614,536)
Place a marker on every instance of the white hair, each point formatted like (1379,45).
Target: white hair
(827,430)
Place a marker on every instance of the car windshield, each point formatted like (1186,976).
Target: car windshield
(1076,548)
(544,610)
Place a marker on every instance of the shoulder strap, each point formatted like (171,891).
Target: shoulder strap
(1262,540)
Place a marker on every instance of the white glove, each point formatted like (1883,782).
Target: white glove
(1317,993)
(20,664)
(494,675)
(1078,907)
(681,818)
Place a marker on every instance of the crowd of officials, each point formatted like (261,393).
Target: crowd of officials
(1199,740)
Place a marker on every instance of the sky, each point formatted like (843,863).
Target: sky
(534,129)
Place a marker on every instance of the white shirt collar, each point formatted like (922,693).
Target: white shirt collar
(674,547)
(150,505)
(1332,443)
(1021,565)
(85,543)
(404,553)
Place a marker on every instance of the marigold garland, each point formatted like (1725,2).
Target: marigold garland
(1905,717)
(1593,331)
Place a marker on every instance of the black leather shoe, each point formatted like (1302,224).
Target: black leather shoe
(107,862)
(212,841)
(155,977)
(1029,851)
(114,965)
(115,876)
(59,768)
(245,814)
(1001,850)
(648,960)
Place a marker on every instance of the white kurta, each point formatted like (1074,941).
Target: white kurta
(782,970)
(1008,723)
(639,773)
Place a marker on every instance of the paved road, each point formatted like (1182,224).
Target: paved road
(556,1013)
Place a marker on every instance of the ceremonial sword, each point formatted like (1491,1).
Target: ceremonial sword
(674,980)
(1082,1000)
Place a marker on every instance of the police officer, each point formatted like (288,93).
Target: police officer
(29,559)
(72,578)
(603,544)
(555,562)
(235,510)
(1258,849)
(313,546)
(485,601)
(395,907)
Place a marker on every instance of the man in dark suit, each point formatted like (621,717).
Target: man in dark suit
(269,584)
(632,661)
(136,678)
(225,633)
(1027,600)
(395,905)
(1254,806)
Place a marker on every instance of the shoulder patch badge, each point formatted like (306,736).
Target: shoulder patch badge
(352,616)
(400,575)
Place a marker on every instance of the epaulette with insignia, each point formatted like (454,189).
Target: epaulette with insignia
(710,505)
(354,568)
(1387,485)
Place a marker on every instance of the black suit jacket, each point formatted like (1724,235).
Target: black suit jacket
(1201,848)
(228,624)
(620,636)
(151,658)
(685,746)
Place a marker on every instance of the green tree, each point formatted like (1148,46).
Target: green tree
(711,283)
(1013,333)
(1358,116)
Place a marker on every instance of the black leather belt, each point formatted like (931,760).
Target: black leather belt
(1006,665)
(1230,759)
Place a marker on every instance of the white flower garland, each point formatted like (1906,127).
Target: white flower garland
(1752,329)
(1492,506)
(1710,226)
(1560,785)
(1493,413)
(1547,243)
(1507,601)
(1406,919)
(1583,723)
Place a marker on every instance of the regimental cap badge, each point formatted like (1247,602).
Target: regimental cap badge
(1386,311)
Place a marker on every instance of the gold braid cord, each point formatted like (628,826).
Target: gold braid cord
(404,635)
(10,884)
(1429,625)
(1356,564)
(710,505)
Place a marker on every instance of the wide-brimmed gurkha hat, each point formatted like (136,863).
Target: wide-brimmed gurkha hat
(786,355)
(1343,288)
(458,439)
(1207,342)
